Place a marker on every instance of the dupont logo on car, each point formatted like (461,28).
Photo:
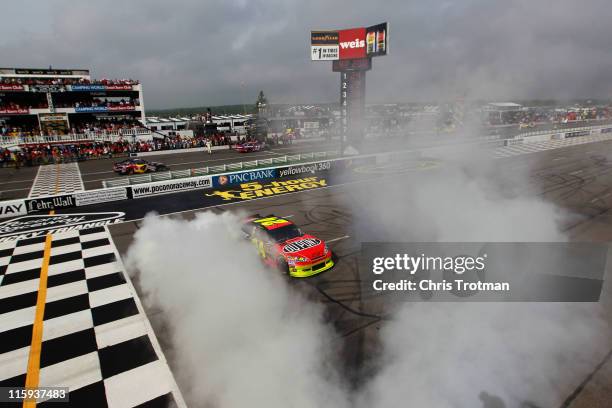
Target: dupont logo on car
(301,245)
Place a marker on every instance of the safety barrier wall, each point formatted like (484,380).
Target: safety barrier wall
(233,174)
(225,175)
(558,134)
(147,178)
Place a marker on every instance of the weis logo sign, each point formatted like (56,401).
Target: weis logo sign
(352,43)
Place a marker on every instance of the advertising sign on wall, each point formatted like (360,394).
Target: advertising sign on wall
(91,109)
(14,111)
(243,177)
(47,88)
(87,88)
(100,196)
(53,123)
(170,186)
(11,87)
(12,208)
(50,203)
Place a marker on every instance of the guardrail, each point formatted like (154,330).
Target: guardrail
(561,130)
(104,136)
(555,134)
(210,170)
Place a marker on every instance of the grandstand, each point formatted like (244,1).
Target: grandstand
(66,104)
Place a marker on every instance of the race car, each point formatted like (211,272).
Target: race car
(138,166)
(246,147)
(283,245)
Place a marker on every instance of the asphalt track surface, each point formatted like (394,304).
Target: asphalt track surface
(578,178)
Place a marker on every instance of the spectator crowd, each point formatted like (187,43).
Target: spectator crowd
(66,81)
(33,155)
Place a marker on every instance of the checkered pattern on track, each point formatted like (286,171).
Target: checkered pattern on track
(57,179)
(96,338)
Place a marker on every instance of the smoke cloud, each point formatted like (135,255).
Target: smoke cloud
(242,335)
(474,354)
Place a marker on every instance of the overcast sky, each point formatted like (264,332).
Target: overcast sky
(213,52)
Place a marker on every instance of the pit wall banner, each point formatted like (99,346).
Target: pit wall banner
(12,208)
(244,177)
(100,196)
(299,169)
(578,133)
(170,186)
(50,203)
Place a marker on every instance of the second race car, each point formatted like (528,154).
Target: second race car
(254,146)
(282,244)
(138,166)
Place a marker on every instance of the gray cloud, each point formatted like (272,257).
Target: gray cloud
(217,52)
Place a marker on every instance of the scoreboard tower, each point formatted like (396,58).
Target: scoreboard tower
(351,53)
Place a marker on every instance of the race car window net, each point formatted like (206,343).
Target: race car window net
(284,233)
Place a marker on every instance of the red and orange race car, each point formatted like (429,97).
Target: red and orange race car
(138,166)
(283,245)
(254,146)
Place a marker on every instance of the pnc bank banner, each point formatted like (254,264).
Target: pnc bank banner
(351,43)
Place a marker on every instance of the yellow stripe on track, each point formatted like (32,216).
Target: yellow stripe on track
(33,373)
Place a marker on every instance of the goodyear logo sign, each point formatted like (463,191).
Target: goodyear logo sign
(243,177)
(249,191)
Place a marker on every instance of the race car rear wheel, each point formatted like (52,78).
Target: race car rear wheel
(129,171)
(282,266)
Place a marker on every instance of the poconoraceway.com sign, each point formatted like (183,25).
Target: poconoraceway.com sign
(12,208)
(32,226)
(170,186)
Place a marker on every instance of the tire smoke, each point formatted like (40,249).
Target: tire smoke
(242,336)
(485,355)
